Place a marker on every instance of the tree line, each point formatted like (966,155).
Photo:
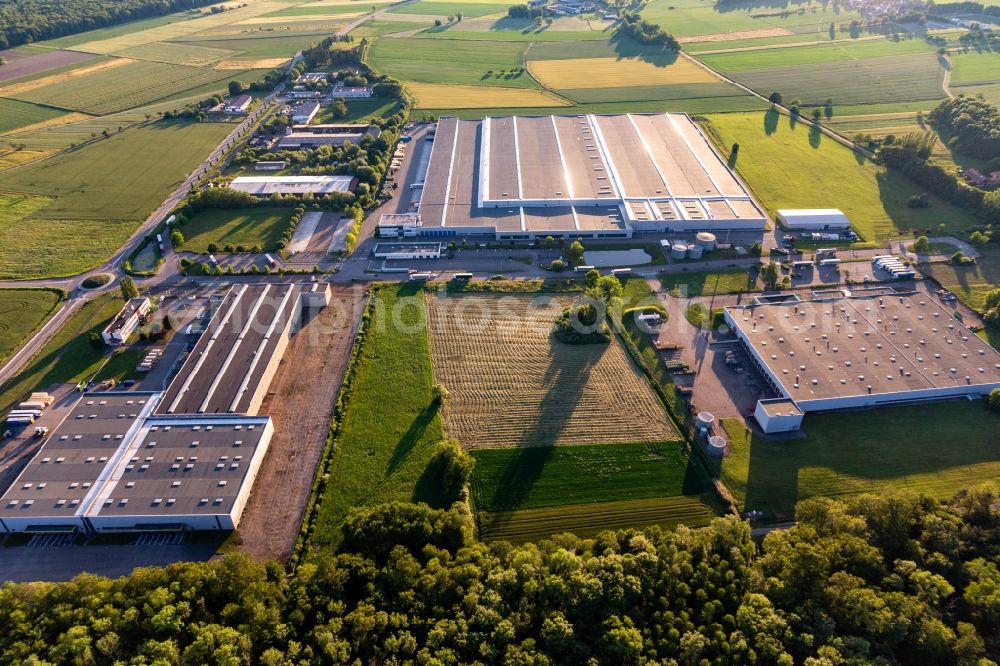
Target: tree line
(644,32)
(25,21)
(874,580)
(970,125)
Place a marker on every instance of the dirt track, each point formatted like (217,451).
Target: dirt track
(300,400)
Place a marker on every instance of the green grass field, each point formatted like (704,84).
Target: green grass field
(123,87)
(385,442)
(975,68)
(468,9)
(695,283)
(937,449)
(15,114)
(796,167)
(437,61)
(124,177)
(587,520)
(814,55)
(191,55)
(360,110)
(22,311)
(972,282)
(536,477)
(249,227)
(68,356)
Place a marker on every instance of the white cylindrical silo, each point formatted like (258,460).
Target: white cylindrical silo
(716,446)
(706,241)
(694,251)
(678,250)
(704,420)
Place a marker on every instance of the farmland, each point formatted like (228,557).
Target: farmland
(511,479)
(384,445)
(612,72)
(15,114)
(972,282)
(22,311)
(458,62)
(866,451)
(469,8)
(123,177)
(974,68)
(68,356)
(130,84)
(512,385)
(255,226)
(790,166)
(360,110)
(443,96)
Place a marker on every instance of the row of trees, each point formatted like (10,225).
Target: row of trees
(24,21)
(644,32)
(871,580)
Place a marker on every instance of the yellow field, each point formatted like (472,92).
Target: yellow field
(305,18)
(177,54)
(615,73)
(442,96)
(732,36)
(181,28)
(262,63)
(64,119)
(10,158)
(18,88)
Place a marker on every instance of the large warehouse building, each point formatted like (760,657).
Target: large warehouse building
(860,351)
(184,459)
(573,176)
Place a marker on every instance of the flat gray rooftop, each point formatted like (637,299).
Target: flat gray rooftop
(223,370)
(840,348)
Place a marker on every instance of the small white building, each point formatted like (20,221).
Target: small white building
(814,219)
(301,92)
(125,323)
(270,165)
(238,104)
(778,415)
(304,113)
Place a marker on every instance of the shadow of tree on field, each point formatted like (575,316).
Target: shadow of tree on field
(771,117)
(626,47)
(564,384)
(411,437)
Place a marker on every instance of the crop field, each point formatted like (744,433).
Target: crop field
(68,356)
(865,451)
(468,8)
(254,47)
(697,17)
(815,55)
(791,166)
(565,28)
(875,80)
(445,96)
(11,157)
(459,62)
(178,54)
(15,115)
(123,177)
(614,72)
(975,68)
(385,443)
(22,311)
(512,385)
(61,75)
(587,520)
(513,479)
(256,226)
(21,64)
(131,84)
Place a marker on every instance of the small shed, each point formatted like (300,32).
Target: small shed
(814,219)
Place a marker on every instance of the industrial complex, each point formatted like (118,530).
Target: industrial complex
(182,459)
(572,176)
(860,351)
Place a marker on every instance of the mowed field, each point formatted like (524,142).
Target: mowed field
(790,166)
(936,449)
(255,226)
(22,311)
(448,96)
(15,115)
(512,385)
(468,8)
(454,62)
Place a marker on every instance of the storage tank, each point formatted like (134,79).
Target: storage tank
(706,241)
(704,420)
(694,251)
(678,250)
(716,446)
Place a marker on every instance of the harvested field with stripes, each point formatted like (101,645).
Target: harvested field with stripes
(586,520)
(512,385)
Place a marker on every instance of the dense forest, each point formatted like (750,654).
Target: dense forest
(866,580)
(970,125)
(23,21)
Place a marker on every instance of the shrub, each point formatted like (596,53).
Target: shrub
(558,265)
(922,244)
(993,400)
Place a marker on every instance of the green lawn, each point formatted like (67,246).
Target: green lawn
(15,114)
(246,227)
(975,68)
(452,61)
(972,282)
(122,363)
(694,284)
(937,449)
(68,356)
(389,430)
(124,177)
(797,167)
(449,8)
(535,477)
(360,110)
(814,55)
(22,312)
